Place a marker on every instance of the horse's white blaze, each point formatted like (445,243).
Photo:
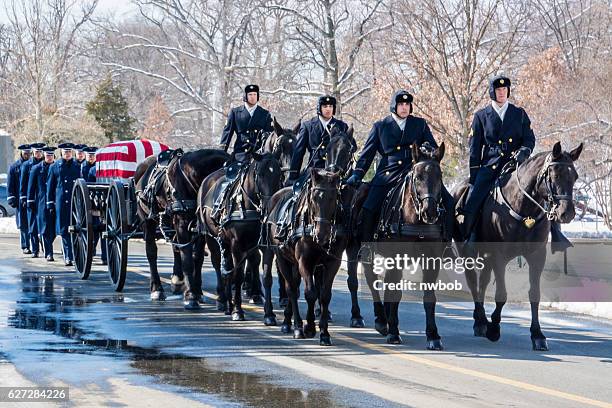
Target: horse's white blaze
(271,169)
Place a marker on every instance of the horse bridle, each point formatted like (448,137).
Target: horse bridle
(417,199)
(322,220)
(551,198)
(259,195)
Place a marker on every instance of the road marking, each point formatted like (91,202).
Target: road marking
(432,363)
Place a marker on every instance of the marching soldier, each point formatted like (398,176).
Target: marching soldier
(13,195)
(314,135)
(62,176)
(80,153)
(392,138)
(24,178)
(37,198)
(88,172)
(88,164)
(248,122)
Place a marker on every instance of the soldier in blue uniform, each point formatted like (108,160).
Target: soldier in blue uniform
(79,151)
(499,132)
(88,172)
(89,163)
(314,135)
(14,172)
(37,199)
(392,138)
(24,179)
(62,176)
(247,122)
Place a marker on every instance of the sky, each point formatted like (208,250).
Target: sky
(120,8)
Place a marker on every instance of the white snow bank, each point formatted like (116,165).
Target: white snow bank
(8,226)
(597,309)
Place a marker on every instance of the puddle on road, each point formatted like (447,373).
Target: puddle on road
(43,307)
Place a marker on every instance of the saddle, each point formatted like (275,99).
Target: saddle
(222,197)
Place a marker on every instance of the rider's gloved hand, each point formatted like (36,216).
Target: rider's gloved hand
(354,180)
(522,154)
(12,201)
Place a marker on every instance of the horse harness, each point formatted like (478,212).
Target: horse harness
(552,199)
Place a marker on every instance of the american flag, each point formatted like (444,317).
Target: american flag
(118,161)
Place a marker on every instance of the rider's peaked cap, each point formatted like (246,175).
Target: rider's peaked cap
(400,96)
(498,82)
(326,100)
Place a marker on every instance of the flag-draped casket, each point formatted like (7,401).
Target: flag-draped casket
(118,161)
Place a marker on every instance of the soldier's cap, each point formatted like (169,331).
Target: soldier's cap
(251,88)
(24,147)
(90,149)
(403,96)
(500,81)
(37,146)
(327,100)
(49,150)
(79,147)
(66,146)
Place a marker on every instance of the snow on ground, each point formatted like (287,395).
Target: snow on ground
(8,226)
(576,229)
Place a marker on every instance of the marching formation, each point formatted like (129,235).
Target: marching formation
(265,205)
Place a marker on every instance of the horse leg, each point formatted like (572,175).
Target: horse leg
(380,321)
(392,301)
(268,258)
(157,290)
(353,284)
(501,296)
(536,265)
(283,300)
(198,261)
(311,294)
(479,315)
(178,279)
(215,259)
(191,289)
(293,291)
(254,260)
(238,314)
(325,294)
(434,341)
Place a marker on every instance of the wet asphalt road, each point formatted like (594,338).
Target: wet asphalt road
(121,349)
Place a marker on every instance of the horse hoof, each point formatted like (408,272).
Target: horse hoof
(283,303)
(493,331)
(325,341)
(158,295)
(228,312)
(221,306)
(191,304)
(480,330)
(310,332)
(256,300)
(176,281)
(298,334)
(539,344)
(382,328)
(238,317)
(286,328)
(434,345)
(270,321)
(394,339)
(357,322)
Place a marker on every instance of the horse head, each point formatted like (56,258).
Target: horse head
(322,201)
(424,192)
(263,178)
(340,150)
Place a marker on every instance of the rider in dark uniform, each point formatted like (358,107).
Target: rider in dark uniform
(392,138)
(247,122)
(62,175)
(14,172)
(37,198)
(24,178)
(500,131)
(313,137)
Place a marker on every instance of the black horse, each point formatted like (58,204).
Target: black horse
(281,144)
(412,214)
(313,249)
(166,196)
(237,234)
(516,213)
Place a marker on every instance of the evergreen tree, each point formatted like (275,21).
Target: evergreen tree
(110,109)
